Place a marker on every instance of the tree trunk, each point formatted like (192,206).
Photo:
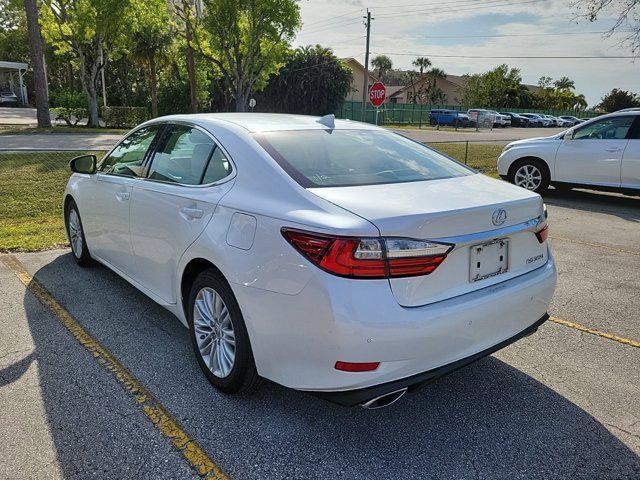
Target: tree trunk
(241,100)
(37,60)
(153,84)
(92,96)
(191,70)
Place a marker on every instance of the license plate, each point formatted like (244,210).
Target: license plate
(489,259)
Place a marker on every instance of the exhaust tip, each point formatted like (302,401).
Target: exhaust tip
(384,400)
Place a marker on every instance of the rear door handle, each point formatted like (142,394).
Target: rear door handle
(613,149)
(191,213)
(123,196)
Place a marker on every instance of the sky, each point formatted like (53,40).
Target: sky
(407,29)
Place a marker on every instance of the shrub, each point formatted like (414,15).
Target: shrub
(124,117)
(67,99)
(71,116)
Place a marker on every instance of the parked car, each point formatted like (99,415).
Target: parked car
(8,98)
(500,120)
(553,121)
(482,117)
(571,120)
(449,117)
(355,265)
(603,153)
(536,120)
(516,119)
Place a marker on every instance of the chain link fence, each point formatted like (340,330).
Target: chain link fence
(32,183)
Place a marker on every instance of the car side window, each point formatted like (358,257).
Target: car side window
(128,157)
(187,156)
(218,168)
(612,128)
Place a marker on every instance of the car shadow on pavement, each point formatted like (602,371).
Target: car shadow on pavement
(489,420)
(625,207)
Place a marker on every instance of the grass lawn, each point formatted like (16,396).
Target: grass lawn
(31,189)
(32,185)
(481,156)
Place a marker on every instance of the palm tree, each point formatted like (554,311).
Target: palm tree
(422,63)
(383,64)
(436,94)
(565,83)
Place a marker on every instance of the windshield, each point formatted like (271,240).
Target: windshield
(336,158)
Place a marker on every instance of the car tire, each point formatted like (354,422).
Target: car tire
(530,173)
(219,335)
(75,234)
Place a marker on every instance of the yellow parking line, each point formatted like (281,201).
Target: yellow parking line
(599,245)
(593,331)
(152,408)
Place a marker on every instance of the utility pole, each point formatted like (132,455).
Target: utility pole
(365,86)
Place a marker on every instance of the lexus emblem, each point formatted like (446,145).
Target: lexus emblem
(499,216)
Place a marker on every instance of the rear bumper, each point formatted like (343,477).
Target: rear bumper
(357,397)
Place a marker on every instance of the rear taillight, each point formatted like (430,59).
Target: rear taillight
(542,234)
(368,257)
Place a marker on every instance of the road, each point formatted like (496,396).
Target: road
(559,404)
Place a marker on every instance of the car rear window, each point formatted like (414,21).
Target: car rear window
(337,158)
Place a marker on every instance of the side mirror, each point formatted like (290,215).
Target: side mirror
(83,164)
(568,136)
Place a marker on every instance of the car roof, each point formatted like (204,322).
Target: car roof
(267,122)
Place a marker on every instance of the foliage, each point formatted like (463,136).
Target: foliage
(383,65)
(152,33)
(124,117)
(173,97)
(246,41)
(90,31)
(558,95)
(14,46)
(70,115)
(313,81)
(498,88)
(67,99)
(625,15)
(618,99)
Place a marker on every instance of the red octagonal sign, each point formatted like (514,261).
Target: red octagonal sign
(377,94)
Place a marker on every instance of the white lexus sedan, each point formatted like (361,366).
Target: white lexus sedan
(328,256)
(602,153)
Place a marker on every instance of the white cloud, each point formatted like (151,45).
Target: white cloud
(339,25)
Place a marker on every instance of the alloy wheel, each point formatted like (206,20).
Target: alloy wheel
(529,177)
(75,233)
(214,332)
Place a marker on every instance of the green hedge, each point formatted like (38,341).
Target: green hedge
(124,117)
(71,116)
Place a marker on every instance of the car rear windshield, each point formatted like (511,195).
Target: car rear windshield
(337,158)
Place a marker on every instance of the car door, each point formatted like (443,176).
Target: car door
(630,171)
(187,175)
(106,206)
(593,154)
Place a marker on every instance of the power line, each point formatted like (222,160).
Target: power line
(500,35)
(512,56)
(342,23)
(352,12)
(472,6)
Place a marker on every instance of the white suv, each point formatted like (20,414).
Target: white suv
(602,153)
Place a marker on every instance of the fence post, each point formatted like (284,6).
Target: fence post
(466,151)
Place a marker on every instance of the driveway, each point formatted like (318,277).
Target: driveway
(562,403)
(58,141)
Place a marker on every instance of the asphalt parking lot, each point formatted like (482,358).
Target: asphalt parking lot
(562,403)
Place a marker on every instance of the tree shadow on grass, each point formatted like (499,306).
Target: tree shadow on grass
(489,420)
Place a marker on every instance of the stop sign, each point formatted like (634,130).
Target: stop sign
(377,94)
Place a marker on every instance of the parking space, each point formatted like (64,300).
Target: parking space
(562,403)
